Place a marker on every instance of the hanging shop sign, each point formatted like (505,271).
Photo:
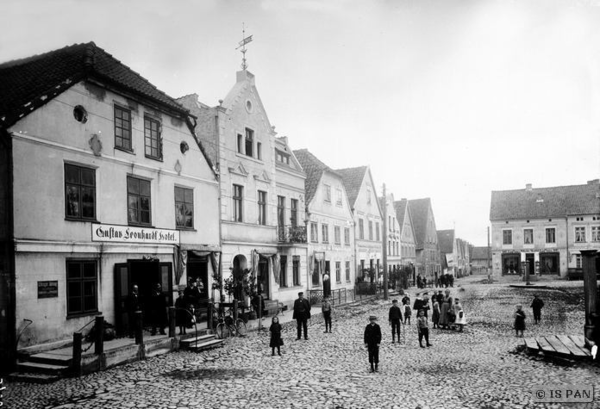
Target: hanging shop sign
(129,234)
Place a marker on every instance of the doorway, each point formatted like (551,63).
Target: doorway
(530,263)
(197,268)
(263,277)
(145,274)
(327,279)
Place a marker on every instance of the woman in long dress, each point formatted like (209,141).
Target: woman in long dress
(446,305)
(461,320)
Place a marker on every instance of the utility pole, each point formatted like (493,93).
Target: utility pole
(489,263)
(385,246)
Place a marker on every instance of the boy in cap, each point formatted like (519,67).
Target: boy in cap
(372,341)
(395,317)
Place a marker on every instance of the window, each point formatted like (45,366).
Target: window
(578,261)
(361,229)
(348,271)
(282,157)
(528,236)
(138,201)
(258,150)
(82,296)
(338,271)
(325,232)
(238,203)
(152,141)
(506,237)
(122,128)
(579,234)
(249,141)
(281,211)
(296,269)
(377,231)
(314,232)
(327,193)
(315,273)
(80,192)
(595,233)
(338,197)
(240,143)
(337,234)
(347,236)
(368,196)
(283,271)
(370,229)
(262,207)
(184,207)
(550,235)
(294,212)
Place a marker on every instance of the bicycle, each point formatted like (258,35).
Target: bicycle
(225,326)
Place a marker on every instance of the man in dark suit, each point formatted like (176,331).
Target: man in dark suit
(301,314)
(372,341)
(133,305)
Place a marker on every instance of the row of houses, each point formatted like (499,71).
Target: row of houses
(107,182)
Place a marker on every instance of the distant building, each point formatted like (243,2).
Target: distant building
(408,252)
(330,231)
(428,262)
(543,230)
(454,253)
(367,221)
(103,186)
(394,257)
(480,258)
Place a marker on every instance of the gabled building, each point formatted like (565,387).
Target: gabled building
(543,230)
(454,253)
(367,221)
(103,186)
(408,251)
(262,191)
(394,258)
(331,236)
(428,262)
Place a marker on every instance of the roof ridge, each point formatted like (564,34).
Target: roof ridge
(32,58)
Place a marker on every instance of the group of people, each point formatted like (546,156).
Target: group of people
(187,304)
(154,306)
(536,305)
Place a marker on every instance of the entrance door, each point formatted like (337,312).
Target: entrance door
(263,276)
(197,268)
(530,263)
(122,288)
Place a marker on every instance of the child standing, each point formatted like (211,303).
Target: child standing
(537,306)
(395,317)
(519,320)
(180,312)
(435,316)
(407,311)
(326,309)
(276,340)
(423,328)
(372,341)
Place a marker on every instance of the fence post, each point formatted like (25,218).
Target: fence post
(76,365)
(172,316)
(139,328)
(260,301)
(99,326)
(209,319)
(235,310)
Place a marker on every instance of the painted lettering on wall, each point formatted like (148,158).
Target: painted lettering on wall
(112,233)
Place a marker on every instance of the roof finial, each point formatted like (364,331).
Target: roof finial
(242,45)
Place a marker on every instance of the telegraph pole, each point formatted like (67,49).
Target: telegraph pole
(385,246)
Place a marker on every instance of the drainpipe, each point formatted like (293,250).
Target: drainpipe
(567,242)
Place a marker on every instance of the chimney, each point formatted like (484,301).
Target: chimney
(242,76)
(528,187)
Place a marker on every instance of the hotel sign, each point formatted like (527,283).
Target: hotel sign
(129,234)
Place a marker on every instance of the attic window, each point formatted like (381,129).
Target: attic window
(249,106)
(80,114)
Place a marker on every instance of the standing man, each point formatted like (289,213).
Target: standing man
(301,315)
(395,317)
(536,306)
(372,341)
(133,305)
(158,307)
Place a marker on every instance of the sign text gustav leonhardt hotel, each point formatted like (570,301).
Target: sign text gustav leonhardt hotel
(129,234)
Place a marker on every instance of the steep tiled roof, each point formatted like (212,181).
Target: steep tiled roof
(28,83)
(353,178)
(419,209)
(446,240)
(546,202)
(400,207)
(313,168)
(480,253)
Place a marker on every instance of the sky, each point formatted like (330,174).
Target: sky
(447,99)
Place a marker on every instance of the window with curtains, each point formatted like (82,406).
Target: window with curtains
(80,192)
(138,201)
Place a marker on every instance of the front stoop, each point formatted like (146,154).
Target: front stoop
(41,368)
(201,343)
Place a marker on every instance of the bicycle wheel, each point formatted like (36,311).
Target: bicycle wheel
(240,327)
(221,330)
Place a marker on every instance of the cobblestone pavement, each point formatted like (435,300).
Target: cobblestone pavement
(479,368)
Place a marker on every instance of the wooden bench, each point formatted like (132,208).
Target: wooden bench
(274,307)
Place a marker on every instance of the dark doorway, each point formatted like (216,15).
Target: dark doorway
(530,263)
(263,276)
(197,268)
(549,263)
(327,282)
(511,264)
(144,274)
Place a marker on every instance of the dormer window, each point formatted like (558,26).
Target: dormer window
(282,157)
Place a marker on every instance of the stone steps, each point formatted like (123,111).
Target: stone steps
(201,343)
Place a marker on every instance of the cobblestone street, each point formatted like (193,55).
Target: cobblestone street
(479,368)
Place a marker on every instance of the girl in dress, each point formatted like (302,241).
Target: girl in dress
(461,320)
(276,340)
(435,316)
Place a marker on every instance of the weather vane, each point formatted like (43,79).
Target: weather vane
(242,45)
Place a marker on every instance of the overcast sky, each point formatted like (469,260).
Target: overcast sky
(442,99)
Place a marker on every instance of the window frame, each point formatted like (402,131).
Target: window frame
(240,144)
(249,142)
(377,232)
(185,203)
(528,234)
(81,280)
(314,232)
(325,232)
(337,235)
(296,271)
(327,192)
(238,203)
(346,236)
(347,268)
(80,188)
(339,200)
(579,236)
(595,233)
(507,234)
(122,128)
(370,225)
(283,271)
(552,236)
(361,229)
(262,207)
(338,272)
(150,137)
(139,201)
(294,212)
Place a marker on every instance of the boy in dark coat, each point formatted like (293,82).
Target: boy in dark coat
(372,341)
(395,317)
(536,306)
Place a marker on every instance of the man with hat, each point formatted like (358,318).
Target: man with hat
(301,315)
(372,341)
